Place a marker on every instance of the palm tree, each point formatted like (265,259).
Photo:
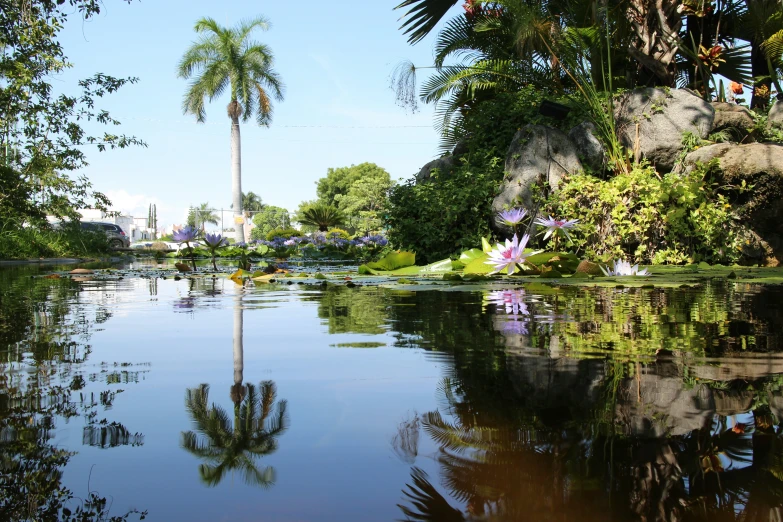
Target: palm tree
(224,447)
(201,215)
(251,202)
(322,215)
(225,58)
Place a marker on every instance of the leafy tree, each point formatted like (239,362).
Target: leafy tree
(225,58)
(42,142)
(364,203)
(270,218)
(323,216)
(338,181)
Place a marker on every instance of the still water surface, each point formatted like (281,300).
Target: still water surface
(203,400)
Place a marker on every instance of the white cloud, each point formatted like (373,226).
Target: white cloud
(136,205)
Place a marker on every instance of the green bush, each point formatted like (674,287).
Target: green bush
(445,216)
(285,233)
(36,241)
(647,218)
(337,232)
(490,126)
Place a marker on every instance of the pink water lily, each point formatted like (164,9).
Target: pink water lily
(510,255)
(555,226)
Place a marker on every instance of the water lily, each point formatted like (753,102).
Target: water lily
(556,226)
(623,268)
(509,255)
(213,242)
(512,217)
(186,235)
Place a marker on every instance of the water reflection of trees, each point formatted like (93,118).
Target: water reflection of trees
(584,469)
(44,335)
(567,423)
(258,421)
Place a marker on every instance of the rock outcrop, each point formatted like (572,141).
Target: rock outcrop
(589,149)
(651,122)
(537,156)
(760,209)
(775,117)
(443,165)
(733,118)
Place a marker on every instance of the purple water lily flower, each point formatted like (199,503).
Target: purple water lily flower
(512,217)
(215,240)
(555,226)
(185,234)
(508,256)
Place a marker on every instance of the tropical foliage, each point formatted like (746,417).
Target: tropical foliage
(268,219)
(226,59)
(227,446)
(322,216)
(44,136)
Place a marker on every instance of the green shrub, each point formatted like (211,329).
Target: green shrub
(339,232)
(285,233)
(445,216)
(36,241)
(647,218)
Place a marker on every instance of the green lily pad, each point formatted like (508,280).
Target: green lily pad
(394,261)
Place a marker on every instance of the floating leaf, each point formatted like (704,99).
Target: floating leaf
(394,261)
(469,255)
(477,266)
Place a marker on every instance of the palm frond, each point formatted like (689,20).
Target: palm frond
(423,16)
(427,504)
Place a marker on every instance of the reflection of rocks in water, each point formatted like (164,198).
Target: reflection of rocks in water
(657,399)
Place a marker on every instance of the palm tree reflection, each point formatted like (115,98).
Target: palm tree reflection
(533,470)
(258,422)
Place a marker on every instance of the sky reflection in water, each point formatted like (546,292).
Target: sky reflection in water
(200,400)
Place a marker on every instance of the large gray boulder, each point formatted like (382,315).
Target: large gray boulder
(652,121)
(733,118)
(589,149)
(443,166)
(538,155)
(760,209)
(775,117)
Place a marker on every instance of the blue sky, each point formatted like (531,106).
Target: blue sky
(335,59)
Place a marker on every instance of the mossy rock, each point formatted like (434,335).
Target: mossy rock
(589,268)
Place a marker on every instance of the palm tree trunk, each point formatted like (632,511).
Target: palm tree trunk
(236,178)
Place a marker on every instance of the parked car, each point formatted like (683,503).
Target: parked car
(116,236)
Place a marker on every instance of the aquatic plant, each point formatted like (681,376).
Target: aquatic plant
(509,255)
(213,242)
(624,268)
(186,235)
(513,217)
(555,227)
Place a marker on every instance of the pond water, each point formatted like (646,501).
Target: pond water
(200,399)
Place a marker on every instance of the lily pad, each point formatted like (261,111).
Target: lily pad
(394,261)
